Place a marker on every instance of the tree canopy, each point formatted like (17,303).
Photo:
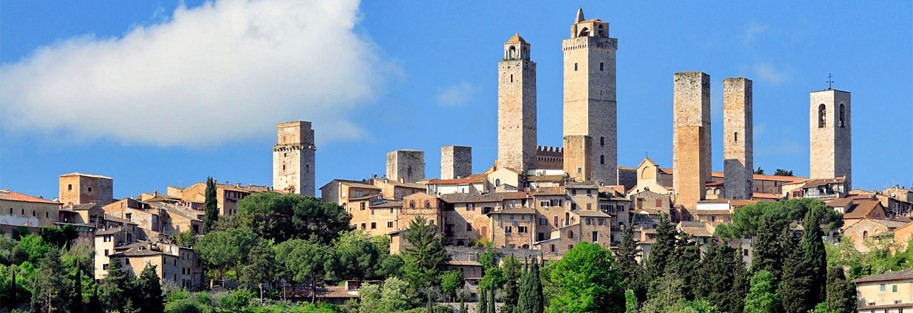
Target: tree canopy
(588,280)
(280,217)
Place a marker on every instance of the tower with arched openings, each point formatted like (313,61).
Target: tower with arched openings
(830,136)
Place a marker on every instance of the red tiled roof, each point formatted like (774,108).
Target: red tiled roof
(861,209)
(468,180)
(8,195)
(890,276)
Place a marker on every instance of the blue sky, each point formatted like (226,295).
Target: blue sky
(157,93)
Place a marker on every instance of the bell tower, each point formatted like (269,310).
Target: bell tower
(589,97)
(517,106)
(830,150)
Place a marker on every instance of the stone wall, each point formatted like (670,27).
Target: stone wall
(691,154)
(293,158)
(737,138)
(406,165)
(517,109)
(77,188)
(830,150)
(456,162)
(577,163)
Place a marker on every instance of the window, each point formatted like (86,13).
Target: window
(575,67)
(735,137)
(893,288)
(511,78)
(511,216)
(579,170)
(552,248)
(570,234)
(821,115)
(411,204)
(373,225)
(362,225)
(104,266)
(601,66)
(47,215)
(363,206)
(543,221)
(470,207)
(468,226)
(595,235)
(600,221)
(70,187)
(589,192)
(589,206)
(659,202)
(33,213)
(90,189)
(589,221)
(522,230)
(427,204)
(106,252)
(498,182)
(602,139)
(840,117)
(508,229)
(573,206)
(574,192)
(541,204)
(881,287)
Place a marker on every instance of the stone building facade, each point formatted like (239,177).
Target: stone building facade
(517,106)
(589,95)
(293,158)
(738,146)
(406,165)
(691,154)
(79,188)
(830,150)
(577,157)
(456,162)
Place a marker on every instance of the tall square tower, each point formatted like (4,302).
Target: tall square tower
(293,158)
(517,106)
(79,188)
(830,150)
(456,162)
(406,165)
(737,138)
(589,95)
(690,137)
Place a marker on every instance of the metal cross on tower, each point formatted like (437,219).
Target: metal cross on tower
(830,80)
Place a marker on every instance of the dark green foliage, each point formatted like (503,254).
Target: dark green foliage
(483,301)
(511,270)
(795,280)
(425,257)
(747,220)
(226,249)
(759,171)
(95,302)
(530,296)
(741,282)
(60,236)
(841,293)
(280,217)
(261,266)
(364,257)
(147,292)
(19,232)
(717,277)
(307,262)
(782,172)
(185,238)
(588,281)
(815,257)
(662,250)
(631,270)
(451,282)
(116,286)
(768,254)
(687,266)
(210,205)
(51,287)
(492,308)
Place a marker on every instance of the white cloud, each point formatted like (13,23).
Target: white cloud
(219,72)
(770,73)
(753,30)
(456,95)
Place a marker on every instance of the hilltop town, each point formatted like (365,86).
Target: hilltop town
(533,205)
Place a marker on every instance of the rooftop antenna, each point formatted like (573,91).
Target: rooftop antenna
(830,81)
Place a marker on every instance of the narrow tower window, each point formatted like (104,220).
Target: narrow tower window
(840,119)
(602,141)
(511,78)
(735,137)
(601,66)
(821,115)
(601,159)
(575,67)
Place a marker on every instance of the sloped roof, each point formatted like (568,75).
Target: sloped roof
(590,213)
(516,38)
(514,211)
(6,194)
(890,276)
(861,209)
(471,197)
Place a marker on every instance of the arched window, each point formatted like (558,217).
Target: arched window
(584,32)
(841,116)
(427,204)
(865,235)
(570,234)
(70,187)
(821,115)
(512,52)
(498,182)
(601,139)
(411,204)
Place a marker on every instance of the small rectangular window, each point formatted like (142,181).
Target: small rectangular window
(389,224)
(881,287)
(735,137)
(893,288)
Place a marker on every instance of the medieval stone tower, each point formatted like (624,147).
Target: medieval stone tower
(829,135)
(589,96)
(456,162)
(293,158)
(517,106)
(690,137)
(737,138)
(405,165)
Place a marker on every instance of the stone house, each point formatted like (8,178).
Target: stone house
(867,232)
(471,184)
(176,266)
(888,292)
(856,209)
(17,209)
(822,188)
(227,196)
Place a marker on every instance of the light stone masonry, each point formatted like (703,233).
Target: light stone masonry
(737,138)
(293,158)
(456,162)
(406,166)
(691,154)
(830,144)
(517,106)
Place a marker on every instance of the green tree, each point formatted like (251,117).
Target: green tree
(463,308)
(483,301)
(747,220)
(425,257)
(814,254)
(147,291)
(664,295)
(631,270)
(451,282)
(782,172)
(717,277)
(588,280)
(59,236)
(630,301)
(662,250)
(511,268)
(226,249)
(841,293)
(759,171)
(308,262)
(492,307)
(52,289)
(185,238)
(767,254)
(530,297)
(31,248)
(795,287)
(360,256)
(210,205)
(687,265)
(116,287)
(763,296)
(741,282)
(281,217)
(260,267)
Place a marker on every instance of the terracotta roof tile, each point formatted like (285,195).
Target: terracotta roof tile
(8,195)
(898,275)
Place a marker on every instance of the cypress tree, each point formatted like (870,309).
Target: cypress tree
(492,308)
(841,293)
(524,294)
(795,283)
(483,301)
(211,209)
(537,302)
(95,302)
(148,291)
(631,270)
(512,274)
(687,264)
(463,308)
(715,282)
(116,287)
(768,255)
(815,256)
(662,249)
(50,287)
(741,282)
